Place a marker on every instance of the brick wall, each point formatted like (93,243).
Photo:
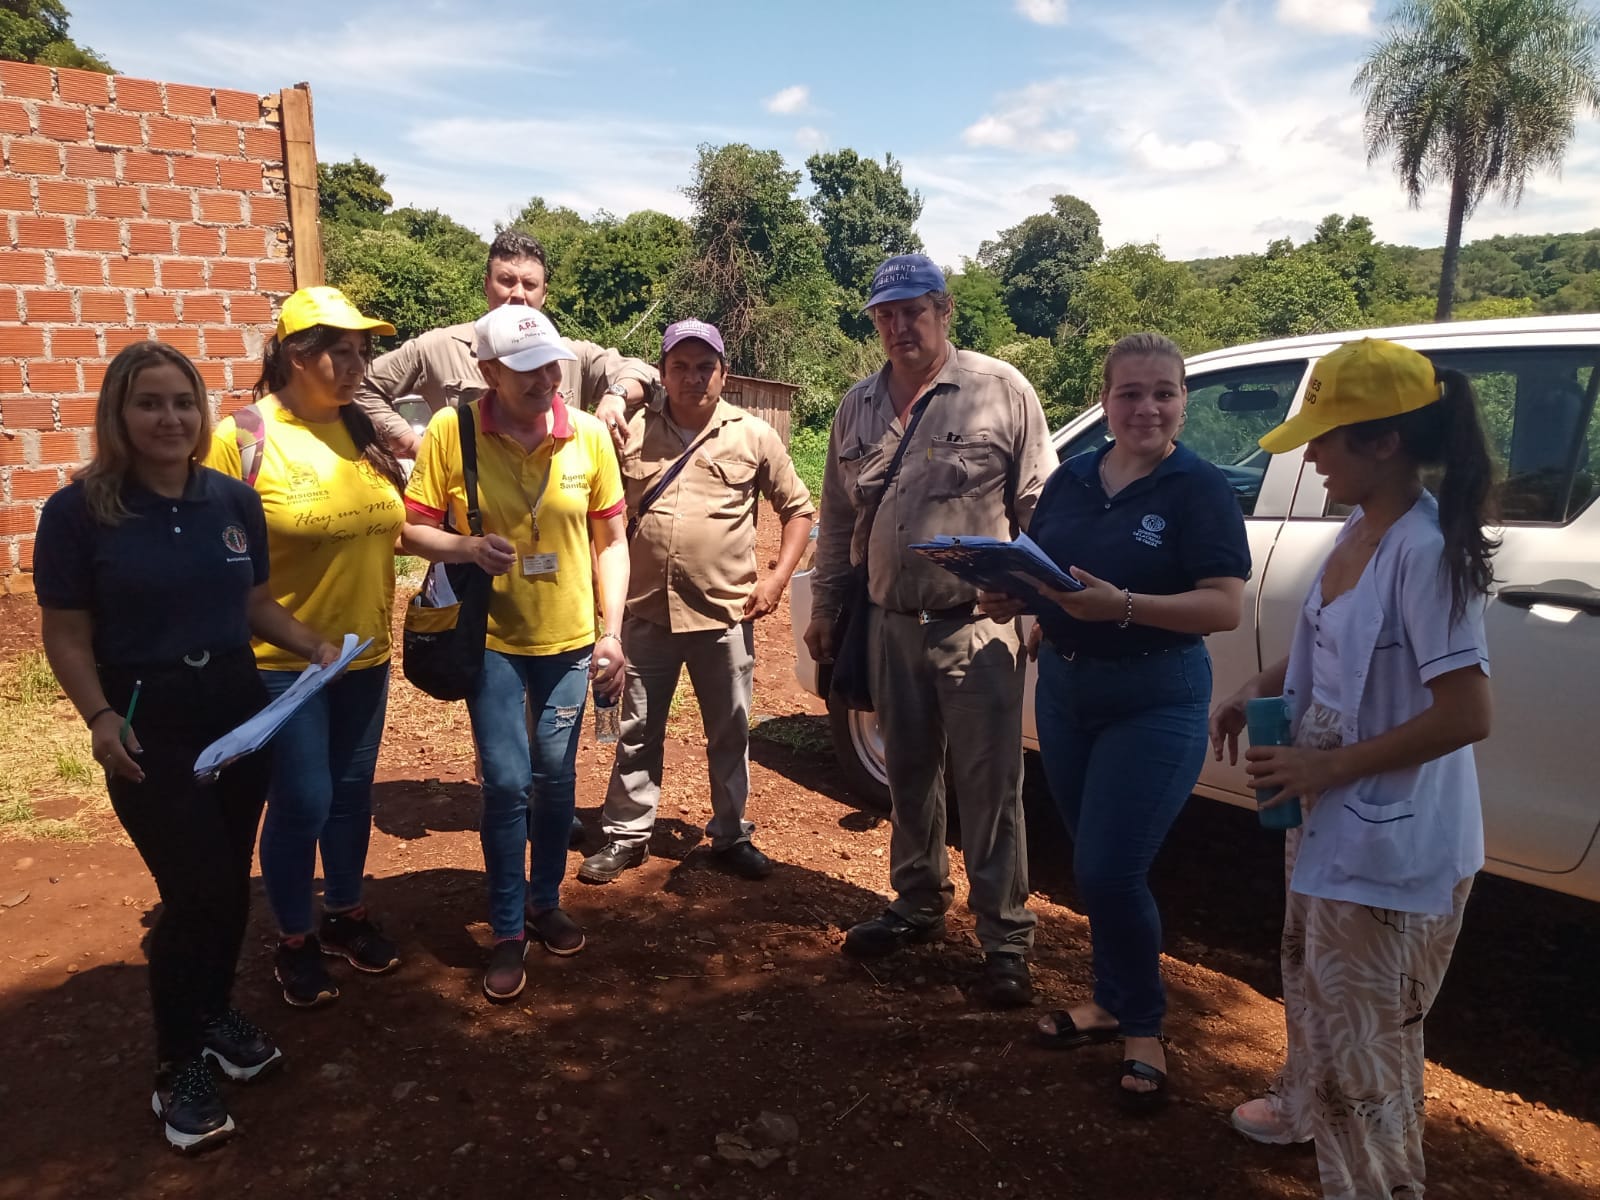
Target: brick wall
(129,209)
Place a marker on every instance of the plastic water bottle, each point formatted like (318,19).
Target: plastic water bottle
(1267,720)
(607,713)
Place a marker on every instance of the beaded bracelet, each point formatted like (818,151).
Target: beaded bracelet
(1127,616)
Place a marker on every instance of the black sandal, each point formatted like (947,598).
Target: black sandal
(1142,1102)
(1068,1036)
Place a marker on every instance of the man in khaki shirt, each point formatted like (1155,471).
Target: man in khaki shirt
(439,366)
(694,470)
(946,682)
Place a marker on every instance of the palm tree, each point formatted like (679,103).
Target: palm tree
(1482,93)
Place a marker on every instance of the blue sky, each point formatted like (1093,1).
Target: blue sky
(1209,127)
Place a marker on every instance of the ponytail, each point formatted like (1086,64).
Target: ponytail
(276,362)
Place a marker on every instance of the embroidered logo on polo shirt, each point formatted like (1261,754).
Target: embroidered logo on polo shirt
(234,539)
(1150,529)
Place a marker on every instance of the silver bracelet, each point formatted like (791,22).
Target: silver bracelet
(1127,615)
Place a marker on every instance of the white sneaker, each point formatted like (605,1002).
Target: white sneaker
(1256,1120)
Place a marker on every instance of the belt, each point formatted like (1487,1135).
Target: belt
(956,612)
(1085,656)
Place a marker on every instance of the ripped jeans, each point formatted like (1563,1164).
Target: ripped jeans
(528,781)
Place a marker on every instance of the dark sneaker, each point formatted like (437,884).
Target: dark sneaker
(239,1048)
(306,982)
(613,860)
(192,1113)
(559,932)
(1006,982)
(885,934)
(358,940)
(575,834)
(505,978)
(742,859)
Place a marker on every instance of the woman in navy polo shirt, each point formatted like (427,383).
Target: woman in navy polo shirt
(1156,536)
(152,575)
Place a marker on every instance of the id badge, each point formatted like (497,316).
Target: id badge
(538,564)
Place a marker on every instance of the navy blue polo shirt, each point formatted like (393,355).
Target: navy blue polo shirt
(172,578)
(1158,536)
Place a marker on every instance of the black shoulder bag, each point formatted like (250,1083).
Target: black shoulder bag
(447,621)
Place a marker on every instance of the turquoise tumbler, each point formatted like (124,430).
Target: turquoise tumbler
(1267,721)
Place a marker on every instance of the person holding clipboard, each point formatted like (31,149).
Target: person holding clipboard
(1156,537)
(151,571)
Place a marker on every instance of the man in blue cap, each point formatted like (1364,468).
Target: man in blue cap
(947,682)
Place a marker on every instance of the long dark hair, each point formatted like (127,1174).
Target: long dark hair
(309,343)
(1448,436)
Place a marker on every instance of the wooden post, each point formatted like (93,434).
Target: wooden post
(300,166)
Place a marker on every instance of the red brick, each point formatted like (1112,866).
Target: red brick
(274,277)
(216,139)
(17,267)
(16,195)
(214,373)
(80,270)
(34,485)
(220,208)
(269,211)
(247,308)
(246,241)
(138,95)
(78,411)
(51,375)
(53,304)
(166,133)
(194,172)
(203,309)
(120,337)
(149,237)
(17,518)
(14,118)
(8,312)
(64,124)
(94,374)
(198,240)
(75,342)
(181,337)
(151,308)
(91,234)
(62,447)
(132,272)
(263,144)
(118,129)
(35,158)
(49,233)
(30,412)
(21,341)
(13,450)
(27,80)
(87,162)
(170,204)
(231,276)
(238,106)
(182,274)
(19,585)
(240,176)
(63,196)
(83,87)
(104,307)
(138,167)
(186,100)
(222,341)
(118,200)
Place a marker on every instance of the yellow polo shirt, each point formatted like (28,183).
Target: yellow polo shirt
(545,604)
(331,525)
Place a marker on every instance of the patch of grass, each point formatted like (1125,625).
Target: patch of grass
(73,767)
(802,733)
(45,756)
(34,681)
(809,450)
(16,810)
(409,570)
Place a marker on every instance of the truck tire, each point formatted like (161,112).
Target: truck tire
(858,747)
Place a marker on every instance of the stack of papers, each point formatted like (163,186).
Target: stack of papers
(259,729)
(1017,568)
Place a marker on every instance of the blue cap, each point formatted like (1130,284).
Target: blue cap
(904,277)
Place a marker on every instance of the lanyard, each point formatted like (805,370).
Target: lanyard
(537,501)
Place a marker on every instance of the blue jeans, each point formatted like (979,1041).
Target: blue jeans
(528,782)
(323,760)
(1122,742)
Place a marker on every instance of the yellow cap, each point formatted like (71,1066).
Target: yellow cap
(1360,381)
(313,306)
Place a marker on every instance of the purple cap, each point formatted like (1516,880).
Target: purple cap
(905,277)
(682,331)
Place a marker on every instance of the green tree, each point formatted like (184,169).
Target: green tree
(1480,94)
(617,278)
(1289,293)
(981,321)
(1348,246)
(387,273)
(1040,261)
(866,214)
(352,193)
(35,31)
(560,231)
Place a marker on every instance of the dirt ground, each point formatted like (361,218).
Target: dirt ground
(703,1003)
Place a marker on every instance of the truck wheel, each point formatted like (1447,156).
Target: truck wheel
(858,746)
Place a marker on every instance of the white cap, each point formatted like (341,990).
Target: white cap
(520,337)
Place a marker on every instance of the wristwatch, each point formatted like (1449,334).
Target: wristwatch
(619,390)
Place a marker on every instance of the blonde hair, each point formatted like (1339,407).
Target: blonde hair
(106,473)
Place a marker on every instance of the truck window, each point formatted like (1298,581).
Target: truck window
(1229,410)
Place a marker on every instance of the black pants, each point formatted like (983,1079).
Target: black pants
(198,839)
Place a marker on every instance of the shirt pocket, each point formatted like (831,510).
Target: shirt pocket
(963,465)
(459,392)
(727,485)
(1381,843)
(861,467)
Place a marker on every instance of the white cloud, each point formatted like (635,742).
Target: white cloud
(1043,12)
(1031,120)
(1202,154)
(790,100)
(1327,16)
(810,138)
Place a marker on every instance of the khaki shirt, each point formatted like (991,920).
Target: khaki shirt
(439,367)
(978,460)
(694,554)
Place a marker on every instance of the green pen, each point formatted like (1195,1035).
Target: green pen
(127,721)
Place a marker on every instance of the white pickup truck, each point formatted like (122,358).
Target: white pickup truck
(1537,381)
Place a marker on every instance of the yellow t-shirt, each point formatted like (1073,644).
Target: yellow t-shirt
(545,603)
(331,526)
